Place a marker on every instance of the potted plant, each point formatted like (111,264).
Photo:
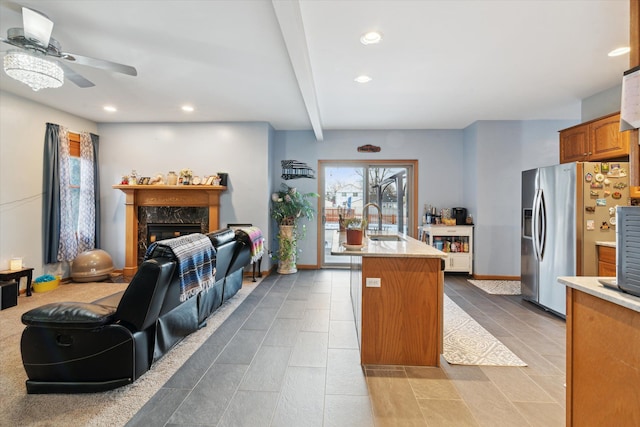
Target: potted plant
(355,230)
(288,206)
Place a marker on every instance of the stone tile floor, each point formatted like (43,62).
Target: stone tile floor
(288,356)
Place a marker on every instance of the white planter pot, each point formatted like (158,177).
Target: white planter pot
(287,265)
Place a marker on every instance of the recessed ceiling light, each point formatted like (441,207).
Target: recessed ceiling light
(363,79)
(187,108)
(620,51)
(110,108)
(372,37)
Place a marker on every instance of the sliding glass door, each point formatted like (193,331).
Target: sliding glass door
(386,189)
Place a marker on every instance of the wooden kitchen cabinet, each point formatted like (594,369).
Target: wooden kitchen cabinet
(606,261)
(595,140)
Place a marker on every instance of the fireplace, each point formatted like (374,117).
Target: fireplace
(165,204)
(158,232)
(165,222)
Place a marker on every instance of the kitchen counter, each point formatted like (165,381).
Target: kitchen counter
(591,286)
(397,289)
(405,247)
(607,244)
(603,344)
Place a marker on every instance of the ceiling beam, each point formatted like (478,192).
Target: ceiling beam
(292,28)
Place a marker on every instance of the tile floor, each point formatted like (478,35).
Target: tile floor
(288,356)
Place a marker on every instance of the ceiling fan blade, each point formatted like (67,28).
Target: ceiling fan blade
(100,63)
(37,27)
(74,77)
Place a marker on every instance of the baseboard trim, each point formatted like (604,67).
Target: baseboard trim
(492,277)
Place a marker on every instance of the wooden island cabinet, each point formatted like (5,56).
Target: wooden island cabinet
(397,291)
(598,139)
(603,355)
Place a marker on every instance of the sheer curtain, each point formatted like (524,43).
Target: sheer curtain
(87,205)
(68,246)
(62,239)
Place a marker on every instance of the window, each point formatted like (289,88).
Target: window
(74,176)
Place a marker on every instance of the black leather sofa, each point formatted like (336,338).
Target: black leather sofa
(72,347)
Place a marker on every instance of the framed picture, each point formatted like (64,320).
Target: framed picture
(209,180)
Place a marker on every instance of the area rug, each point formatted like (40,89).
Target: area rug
(111,408)
(466,342)
(498,287)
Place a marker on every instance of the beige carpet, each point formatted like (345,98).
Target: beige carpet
(498,287)
(466,342)
(112,408)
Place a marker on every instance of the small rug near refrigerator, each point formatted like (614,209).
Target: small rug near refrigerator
(466,342)
(498,287)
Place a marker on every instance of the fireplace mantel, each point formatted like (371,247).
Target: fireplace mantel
(164,195)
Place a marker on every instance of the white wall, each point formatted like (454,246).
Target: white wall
(22,130)
(602,103)
(497,153)
(439,154)
(479,168)
(240,149)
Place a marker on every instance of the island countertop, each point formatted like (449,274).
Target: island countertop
(591,286)
(404,247)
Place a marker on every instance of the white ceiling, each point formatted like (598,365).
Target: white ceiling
(441,65)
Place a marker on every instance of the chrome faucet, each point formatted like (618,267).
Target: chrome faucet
(365,214)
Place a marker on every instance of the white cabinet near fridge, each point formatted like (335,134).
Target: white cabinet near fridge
(455,240)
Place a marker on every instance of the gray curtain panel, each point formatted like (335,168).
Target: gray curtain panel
(51,195)
(96,187)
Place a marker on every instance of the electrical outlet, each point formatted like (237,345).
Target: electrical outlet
(373,282)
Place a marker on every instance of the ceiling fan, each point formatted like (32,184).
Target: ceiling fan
(31,65)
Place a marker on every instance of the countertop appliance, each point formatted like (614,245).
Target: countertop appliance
(628,241)
(565,209)
(460,214)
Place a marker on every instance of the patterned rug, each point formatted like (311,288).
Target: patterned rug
(466,342)
(498,287)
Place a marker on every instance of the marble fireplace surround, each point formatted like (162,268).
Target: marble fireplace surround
(172,199)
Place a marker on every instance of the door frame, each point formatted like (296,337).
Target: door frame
(412,221)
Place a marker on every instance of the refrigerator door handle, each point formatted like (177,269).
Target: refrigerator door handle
(543,220)
(535,225)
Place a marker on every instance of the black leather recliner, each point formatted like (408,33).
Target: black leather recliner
(73,347)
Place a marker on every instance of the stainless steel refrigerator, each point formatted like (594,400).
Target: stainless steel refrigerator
(566,209)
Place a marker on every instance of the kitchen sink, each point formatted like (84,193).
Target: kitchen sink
(386,237)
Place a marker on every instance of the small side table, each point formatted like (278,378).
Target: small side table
(7,275)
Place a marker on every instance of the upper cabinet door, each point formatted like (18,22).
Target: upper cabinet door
(607,142)
(599,139)
(574,144)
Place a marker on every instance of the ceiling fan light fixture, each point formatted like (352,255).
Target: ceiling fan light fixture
(33,70)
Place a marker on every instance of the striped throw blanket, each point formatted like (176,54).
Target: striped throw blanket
(252,236)
(196,262)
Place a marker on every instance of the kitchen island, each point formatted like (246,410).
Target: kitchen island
(397,288)
(603,354)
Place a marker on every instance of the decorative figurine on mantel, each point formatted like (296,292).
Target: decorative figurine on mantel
(172,178)
(185,176)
